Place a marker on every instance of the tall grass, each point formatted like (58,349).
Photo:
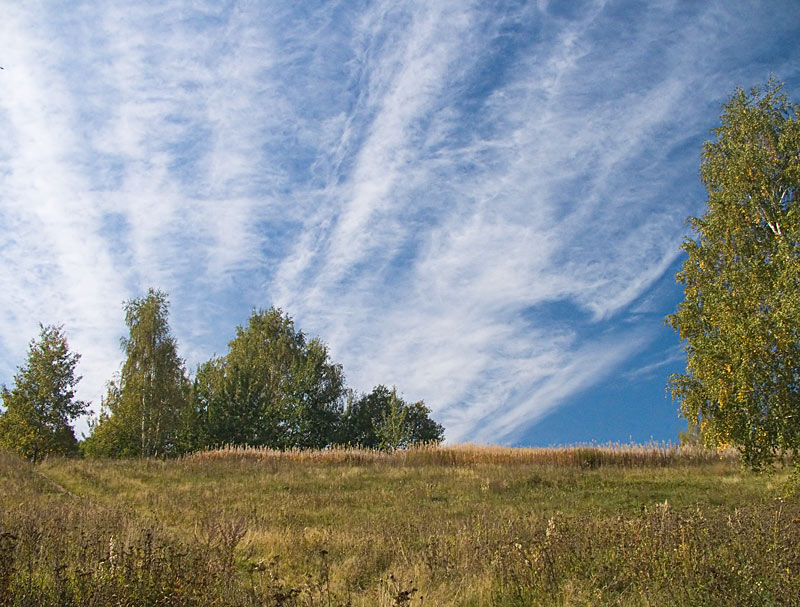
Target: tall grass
(458,525)
(631,455)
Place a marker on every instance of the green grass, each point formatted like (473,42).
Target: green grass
(451,526)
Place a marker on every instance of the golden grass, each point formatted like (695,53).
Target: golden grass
(626,455)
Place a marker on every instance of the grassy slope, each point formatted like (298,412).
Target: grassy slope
(463,530)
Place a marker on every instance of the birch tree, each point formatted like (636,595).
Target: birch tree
(740,317)
(145,403)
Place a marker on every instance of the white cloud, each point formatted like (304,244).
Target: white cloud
(411,181)
(57,269)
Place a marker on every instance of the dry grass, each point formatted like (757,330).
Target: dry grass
(456,525)
(585,456)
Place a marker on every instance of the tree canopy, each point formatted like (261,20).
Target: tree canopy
(274,387)
(740,317)
(41,404)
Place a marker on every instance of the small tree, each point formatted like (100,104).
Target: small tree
(740,318)
(42,403)
(692,436)
(382,420)
(392,431)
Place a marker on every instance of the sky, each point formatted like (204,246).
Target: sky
(481,203)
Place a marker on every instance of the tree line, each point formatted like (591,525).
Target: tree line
(275,387)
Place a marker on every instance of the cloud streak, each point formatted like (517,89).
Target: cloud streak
(469,201)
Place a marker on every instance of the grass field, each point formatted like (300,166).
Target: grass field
(462,525)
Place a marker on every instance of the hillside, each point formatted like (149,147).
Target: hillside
(457,525)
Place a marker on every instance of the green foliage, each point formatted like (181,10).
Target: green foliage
(147,401)
(740,318)
(41,405)
(391,432)
(273,388)
(107,435)
(382,420)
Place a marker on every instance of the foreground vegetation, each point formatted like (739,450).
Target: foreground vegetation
(457,525)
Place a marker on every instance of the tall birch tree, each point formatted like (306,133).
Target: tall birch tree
(740,317)
(145,404)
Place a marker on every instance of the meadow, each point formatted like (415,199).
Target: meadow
(455,525)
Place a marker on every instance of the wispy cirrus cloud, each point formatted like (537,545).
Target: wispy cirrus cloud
(469,201)
(516,220)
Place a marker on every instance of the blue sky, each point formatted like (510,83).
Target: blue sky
(480,202)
